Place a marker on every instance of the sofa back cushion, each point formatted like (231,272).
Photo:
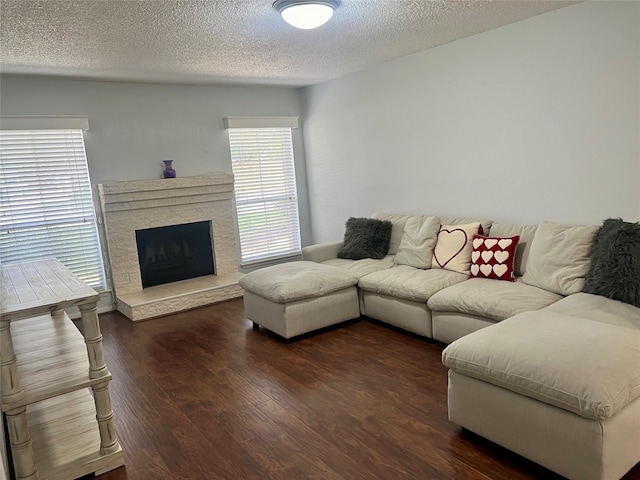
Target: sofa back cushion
(397,230)
(560,257)
(484,222)
(526,234)
(399,221)
(418,240)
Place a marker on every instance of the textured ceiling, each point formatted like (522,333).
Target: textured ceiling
(232,41)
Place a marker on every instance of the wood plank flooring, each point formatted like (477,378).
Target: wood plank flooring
(201,395)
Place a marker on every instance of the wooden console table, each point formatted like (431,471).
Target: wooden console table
(54,383)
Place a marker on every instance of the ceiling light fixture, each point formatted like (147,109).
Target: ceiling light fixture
(306,14)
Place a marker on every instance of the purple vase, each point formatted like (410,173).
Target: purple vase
(169,172)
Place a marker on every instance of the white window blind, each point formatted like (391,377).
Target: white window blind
(46,208)
(265,190)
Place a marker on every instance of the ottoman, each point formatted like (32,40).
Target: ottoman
(299,297)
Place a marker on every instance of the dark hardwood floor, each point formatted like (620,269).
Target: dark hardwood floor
(201,395)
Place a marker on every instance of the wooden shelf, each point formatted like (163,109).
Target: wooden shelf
(51,358)
(66,441)
(60,429)
(31,288)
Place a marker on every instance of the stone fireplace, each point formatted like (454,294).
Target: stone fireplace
(151,212)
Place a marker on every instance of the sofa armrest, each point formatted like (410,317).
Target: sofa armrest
(321,252)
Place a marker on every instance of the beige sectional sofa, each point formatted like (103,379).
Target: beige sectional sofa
(437,303)
(557,376)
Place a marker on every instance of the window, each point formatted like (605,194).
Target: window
(46,209)
(265,188)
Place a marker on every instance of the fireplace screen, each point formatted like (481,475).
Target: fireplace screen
(173,253)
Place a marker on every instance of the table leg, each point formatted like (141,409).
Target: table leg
(97,369)
(104,415)
(93,340)
(21,448)
(10,384)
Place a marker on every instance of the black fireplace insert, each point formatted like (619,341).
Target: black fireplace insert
(176,252)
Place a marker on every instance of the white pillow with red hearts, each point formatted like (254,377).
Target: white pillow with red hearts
(493,257)
(454,246)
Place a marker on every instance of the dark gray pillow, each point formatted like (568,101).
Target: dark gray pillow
(366,238)
(615,262)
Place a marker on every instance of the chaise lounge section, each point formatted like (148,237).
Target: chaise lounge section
(560,386)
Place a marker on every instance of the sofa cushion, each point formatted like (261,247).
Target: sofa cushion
(526,234)
(598,309)
(586,367)
(490,299)
(615,262)
(291,281)
(365,238)
(494,257)
(559,258)
(453,247)
(361,267)
(484,222)
(409,283)
(398,222)
(418,240)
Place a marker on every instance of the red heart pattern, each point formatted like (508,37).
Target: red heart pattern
(493,257)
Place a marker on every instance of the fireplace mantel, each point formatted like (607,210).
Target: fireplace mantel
(140,204)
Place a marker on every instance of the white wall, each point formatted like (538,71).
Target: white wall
(133,127)
(536,120)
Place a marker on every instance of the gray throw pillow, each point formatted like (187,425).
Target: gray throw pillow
(366,238)
(615,262)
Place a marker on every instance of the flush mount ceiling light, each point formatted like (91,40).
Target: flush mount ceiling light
(306,14)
